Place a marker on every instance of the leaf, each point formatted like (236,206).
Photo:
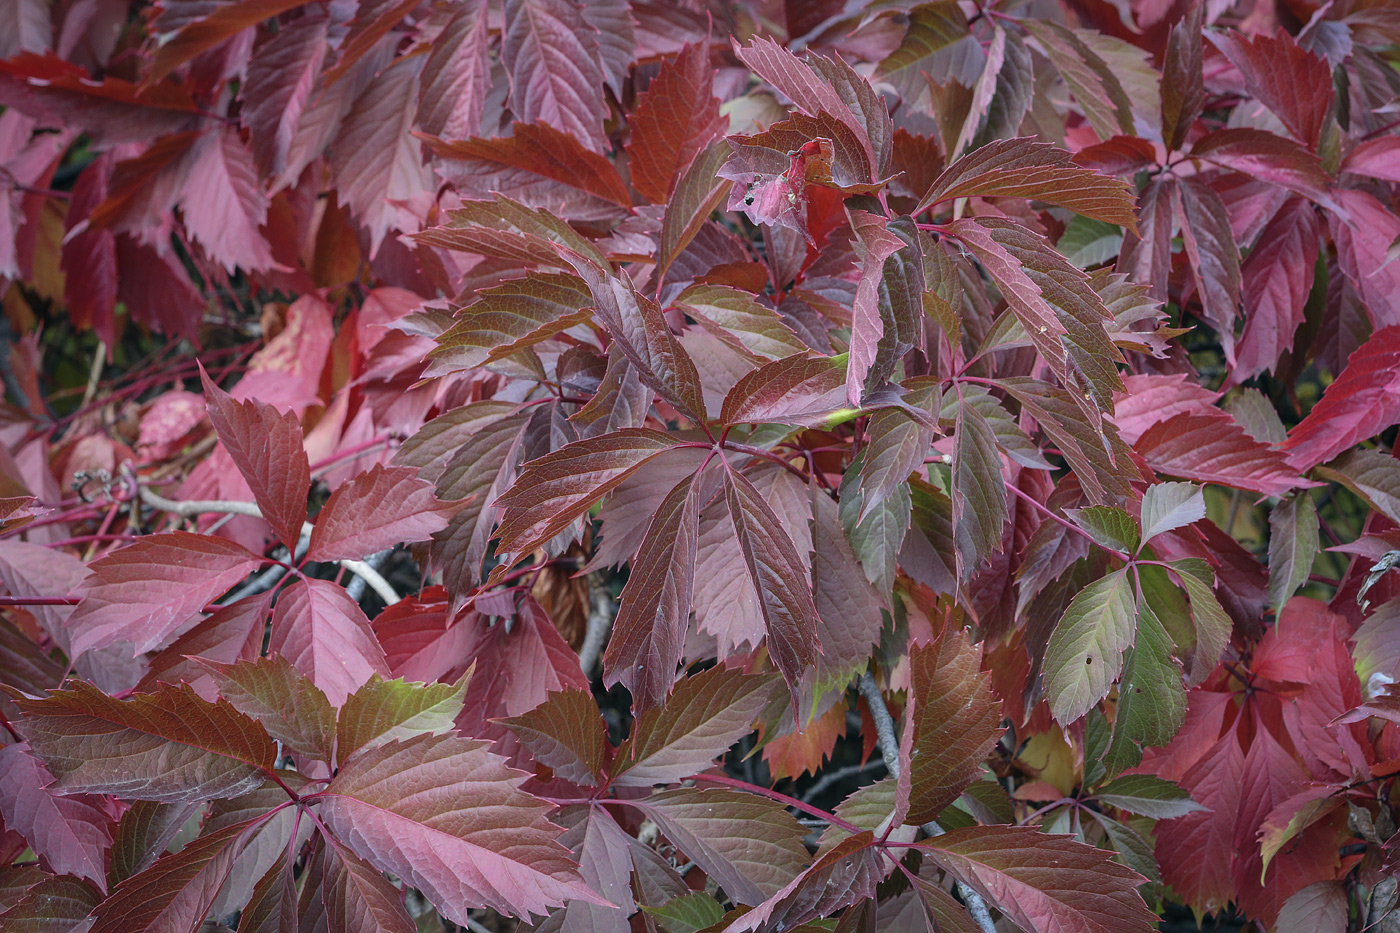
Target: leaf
(698,192)
(1025,168)
(1357,405)
(1169,506)
(291,708)
(201,33)
(1277,278)
(379,509)
(1108,525)
(1374,158)
(934,29)
(1267,157)
(566,734)
(689,913)
(508,318)
(675,120)
(281,76)
(147,592)
(1085,653)
(1212,625)
(956,722)
(1151,698)
(1096,88)
(452,89)
(388,710)
(797,390)
(554,490)
(506,229)
(266,446)
(71,834)
(737,318)
(223,203)
(324,633)
(168,745)
(1321,907)
(1210,447)
(749,845)
(1295,84)
(896,446)
(1183,84)
(448,817)
(704,716)
(357,898)
(1148,796)
(1213,256)
(979,500)
(518,163)
(550,52)
(1050,884)
(874,244)
(1293,546)
(145,832)
(53,905)
(648,635)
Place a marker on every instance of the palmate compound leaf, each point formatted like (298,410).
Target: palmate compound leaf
(380,508)
(956,722)
(326,636)
(70,833)
(648,634)
(749,845)
(1085,653)
(1049,884)
(1025,168)
(169,745)
(448,817)
(566,734)
(779,576)
(147,592)
(556,489)
(266,446)
(703,717)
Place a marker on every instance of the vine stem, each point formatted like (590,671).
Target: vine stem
(889,751)
(1044,510)
(782,798)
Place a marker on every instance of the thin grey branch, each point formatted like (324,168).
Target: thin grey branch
(602,608)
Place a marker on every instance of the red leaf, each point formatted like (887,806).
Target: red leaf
(378,509)
(147,592)
(779,576)
(1360,403)
(698,191)
(874,244)
(1364,231)
(675,120)
(1277,277)
(1120,155)
(1376,158)
(518,165)
(648,635)
(1260,154)
(551,53)
(798,390)
(233,633)
(223,203)
(70,833)
(1210,447)
(281,76)
(1295,84)
(1050,884)
(1183,85)
(447,817)
(325,634)
(554,490)
(267,447)
(566,734)
(197,35)
(168,745)
(452,92)
(1214,782)
(357,898)
(420,643)
(90,257)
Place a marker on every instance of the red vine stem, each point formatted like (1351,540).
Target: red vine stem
(784,799)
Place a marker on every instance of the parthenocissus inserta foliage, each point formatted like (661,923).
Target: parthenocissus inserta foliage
(610,466)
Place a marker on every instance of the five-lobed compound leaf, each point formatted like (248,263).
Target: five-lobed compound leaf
(149,591)
(566,734)
(380,508)
(1050,884)
(448,817)
(705,714)
(169,745)
(1085,653)
(266,446)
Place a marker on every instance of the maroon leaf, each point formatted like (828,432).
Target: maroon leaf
(1041,882)
(1025,168)
(1214,257)
(1374,158)
(554,490)
(1277,277)
(325,634)
(704,716)
(979,502)
(1183,86)
(378,509)
(266,445)
(148,592)
(849,617)
(54,904)
(1358,405)
(797,390)
(1295,84)
(232,633)
(70,833)
(1210,447)
(1270,158)
(281,75)
(453,86)
(675,120)
(168,745)
(649,631)
(779,576)
(447,817)
(566,734)
(874,244)
(198,34)
(291,708)
(551,53)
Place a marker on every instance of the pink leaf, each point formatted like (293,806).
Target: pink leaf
(223,202)
(378,509)
(281,76)
(71,833)
(452,92)
(325,634)
(551,53)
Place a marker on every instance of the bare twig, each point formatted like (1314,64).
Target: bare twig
(601,610)
(889,751)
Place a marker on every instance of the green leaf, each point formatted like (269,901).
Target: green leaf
(1168,506)
(690,913)
(979,494)
(1085,653)
(1134,851)
(1293,546)
(1147,795)
(1213,626)
(1151,697)
(290,707)
(1087,242)
(565,733)
(384,710)
(1108,525)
